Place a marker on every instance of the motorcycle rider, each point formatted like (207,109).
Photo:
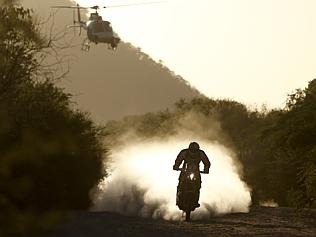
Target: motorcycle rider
(191,159)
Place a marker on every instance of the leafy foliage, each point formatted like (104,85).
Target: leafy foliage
(50,154)
(293,151)
(276,148)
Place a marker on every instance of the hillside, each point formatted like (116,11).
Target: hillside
(112,84)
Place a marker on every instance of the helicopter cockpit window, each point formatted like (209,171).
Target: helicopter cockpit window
(98,27)
(107,26)
(93,16)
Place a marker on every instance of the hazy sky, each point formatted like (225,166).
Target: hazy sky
(254,51)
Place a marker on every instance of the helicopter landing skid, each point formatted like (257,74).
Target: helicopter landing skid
(86,45)
(112,47)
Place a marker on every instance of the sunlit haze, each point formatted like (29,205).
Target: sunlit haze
(142,181)
(253,51)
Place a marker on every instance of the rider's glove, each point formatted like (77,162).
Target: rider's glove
(175,167)
(206,171)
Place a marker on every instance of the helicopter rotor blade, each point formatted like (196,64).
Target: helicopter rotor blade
(134,4)
(71,7)
(112,6)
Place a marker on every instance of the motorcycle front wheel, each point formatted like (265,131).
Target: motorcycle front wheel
(187,215)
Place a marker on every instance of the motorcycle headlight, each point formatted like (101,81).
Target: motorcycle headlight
(191,176)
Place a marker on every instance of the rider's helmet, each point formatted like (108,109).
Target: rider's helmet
(194,146)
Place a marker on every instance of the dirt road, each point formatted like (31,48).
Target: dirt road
(260,221)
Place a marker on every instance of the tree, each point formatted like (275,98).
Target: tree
(276,148)
(50,154)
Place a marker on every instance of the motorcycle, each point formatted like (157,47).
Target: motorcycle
(188,192)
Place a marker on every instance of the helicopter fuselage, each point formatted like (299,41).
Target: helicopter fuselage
(100,32)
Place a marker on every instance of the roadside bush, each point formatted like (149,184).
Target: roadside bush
(50,153)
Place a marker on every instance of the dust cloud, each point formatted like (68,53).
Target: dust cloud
(141,180)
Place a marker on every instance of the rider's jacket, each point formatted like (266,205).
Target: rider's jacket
(191,161)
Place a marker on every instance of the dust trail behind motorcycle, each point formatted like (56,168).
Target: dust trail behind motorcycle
(142,182)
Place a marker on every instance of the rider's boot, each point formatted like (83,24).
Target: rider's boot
(197,199)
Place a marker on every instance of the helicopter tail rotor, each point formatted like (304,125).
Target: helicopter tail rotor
(77,22)
(79,18)
(74,21)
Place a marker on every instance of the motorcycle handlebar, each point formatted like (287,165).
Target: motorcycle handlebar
(201,172)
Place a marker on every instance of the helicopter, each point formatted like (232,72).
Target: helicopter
(98,30)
